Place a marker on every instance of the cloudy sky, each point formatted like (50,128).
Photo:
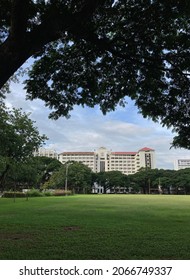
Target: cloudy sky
(88,129)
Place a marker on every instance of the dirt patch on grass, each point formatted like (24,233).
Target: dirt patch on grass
(16,236)
(71,228)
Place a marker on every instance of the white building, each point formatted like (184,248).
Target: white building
(43,152)
(181,163)
(106,160)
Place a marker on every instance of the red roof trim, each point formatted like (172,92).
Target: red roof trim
(112,153)
(146,149)
(124,153)
(77,153)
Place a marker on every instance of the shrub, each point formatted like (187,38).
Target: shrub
(11,194)
(47,193)
(34,193)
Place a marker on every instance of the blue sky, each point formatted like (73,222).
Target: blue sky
(88,129)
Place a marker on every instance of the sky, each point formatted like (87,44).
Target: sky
(88,129)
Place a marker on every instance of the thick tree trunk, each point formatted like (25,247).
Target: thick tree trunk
(21,44)
(3,177)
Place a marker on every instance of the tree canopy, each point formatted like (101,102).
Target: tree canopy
(111,180)
(18,139)
(78,176)
(98,52)
(18,135)
(170,181)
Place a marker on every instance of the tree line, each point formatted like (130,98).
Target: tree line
(45,174)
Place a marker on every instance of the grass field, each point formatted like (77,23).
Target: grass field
(95,227)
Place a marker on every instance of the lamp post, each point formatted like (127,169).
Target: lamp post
(66,176)
(149,185)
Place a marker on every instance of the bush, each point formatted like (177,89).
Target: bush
(61,193)
(11,194)
(34,193)
(47,193)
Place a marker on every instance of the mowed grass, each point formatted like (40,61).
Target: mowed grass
(95,227)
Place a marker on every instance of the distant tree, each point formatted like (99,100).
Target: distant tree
(101,179)
(117,181)
(182,180)
(98,52)
(146,179)
(78,175)
(140,180)
(112,180)
(165,179)
(18,139)
(45,167)
(20,176)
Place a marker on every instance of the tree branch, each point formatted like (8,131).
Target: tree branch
(21,44)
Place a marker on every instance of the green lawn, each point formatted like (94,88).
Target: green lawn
(95,227)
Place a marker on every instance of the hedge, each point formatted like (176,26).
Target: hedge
(61,192)
(36,193)
(11,194)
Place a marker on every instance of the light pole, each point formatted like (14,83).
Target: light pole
(66,176)
(149,185)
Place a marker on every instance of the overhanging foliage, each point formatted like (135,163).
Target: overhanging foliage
(98,52)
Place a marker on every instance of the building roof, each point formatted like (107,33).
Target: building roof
(77,153)
(146,149)
(113,153)
(124,153)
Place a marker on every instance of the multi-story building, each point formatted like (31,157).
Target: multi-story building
(43,152)
(106,160)
(86,158)
(182,163)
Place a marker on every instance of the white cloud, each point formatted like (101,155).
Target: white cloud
(88,129)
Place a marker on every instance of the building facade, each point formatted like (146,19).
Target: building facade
(106,160)
(43,152)
(181,163)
